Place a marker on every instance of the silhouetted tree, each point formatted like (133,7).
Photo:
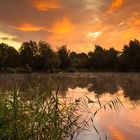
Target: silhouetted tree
(3,54)
(130,58)
(28,51)
(73,59)
(82,61)
(111,59)
(13,58)
(48,59)
(9,57)
(97,58)
(63,54)
(41,57)
(78,61)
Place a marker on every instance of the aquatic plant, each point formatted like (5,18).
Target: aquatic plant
(48,116)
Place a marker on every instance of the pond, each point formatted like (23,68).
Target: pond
(121,125)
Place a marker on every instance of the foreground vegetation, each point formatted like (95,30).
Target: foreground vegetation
(40,57)
(47,116)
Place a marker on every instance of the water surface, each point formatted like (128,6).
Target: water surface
(123,125)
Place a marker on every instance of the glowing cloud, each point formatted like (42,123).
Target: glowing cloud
(134,21)
(94,34)
(63,26)
(5,36)
(115,5)
(44,5)
(80,24)
(29,27)
(9,39)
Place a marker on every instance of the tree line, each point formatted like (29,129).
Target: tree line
(40,57)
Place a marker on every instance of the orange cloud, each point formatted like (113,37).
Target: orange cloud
(9,40)
(134,21)
(29,27)
(115,5)
(44,5)
(63,26)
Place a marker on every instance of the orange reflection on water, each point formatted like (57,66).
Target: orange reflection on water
(121,125)
(117,134)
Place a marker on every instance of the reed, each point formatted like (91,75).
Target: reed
(47,116)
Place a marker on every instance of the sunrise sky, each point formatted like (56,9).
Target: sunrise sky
(80,24)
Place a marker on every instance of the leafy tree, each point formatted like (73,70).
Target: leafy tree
(63,54)
(73,59)
(42,57)
(130,58)
(97,58)
(13,57)
(28,51)
(111,59)
(48,58)
(9,57)
(83,59)
(3,54)
(78,61)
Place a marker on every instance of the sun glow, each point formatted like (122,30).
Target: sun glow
(63,26)
(115,5)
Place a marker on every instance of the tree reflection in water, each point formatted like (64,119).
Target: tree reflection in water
(98,83)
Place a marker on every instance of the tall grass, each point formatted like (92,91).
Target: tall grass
(47,116)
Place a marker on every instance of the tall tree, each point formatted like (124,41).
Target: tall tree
(111,59)
(3,55)
(78,61)
(63,54)
(97,58)
(9,56)
(28,51)
(48,58)
(130,58)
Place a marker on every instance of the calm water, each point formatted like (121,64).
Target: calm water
(123,125)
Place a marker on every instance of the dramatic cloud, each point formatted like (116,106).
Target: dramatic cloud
(29,27)
(63,26)
(80,24)
(115,5)
(9,39)
(95,34)
(44,5)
